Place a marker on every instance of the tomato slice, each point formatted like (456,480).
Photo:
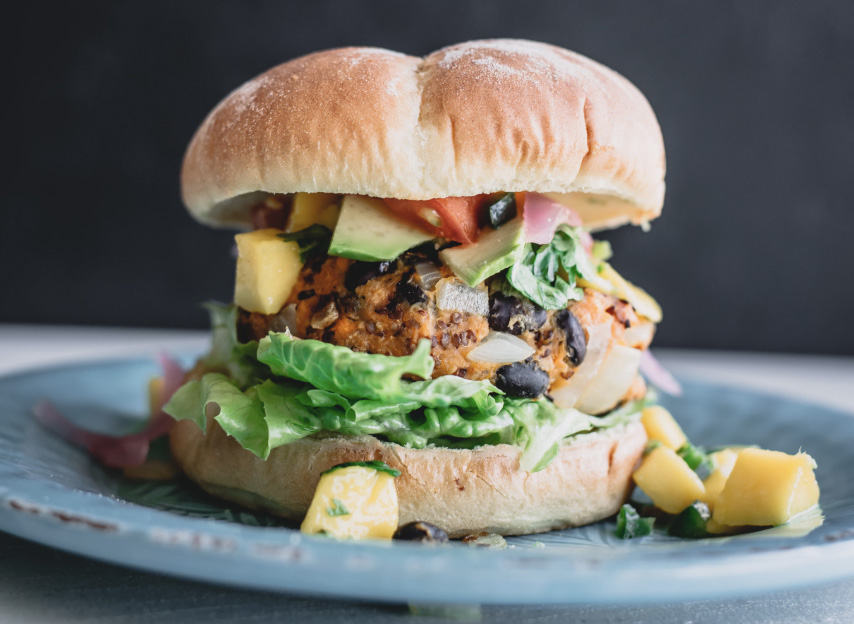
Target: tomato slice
(455,218)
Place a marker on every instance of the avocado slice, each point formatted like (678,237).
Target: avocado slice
(368,230)
(494,251)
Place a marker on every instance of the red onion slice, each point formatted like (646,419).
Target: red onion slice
(113,451)
(659,376)
(543,216)
(117,451)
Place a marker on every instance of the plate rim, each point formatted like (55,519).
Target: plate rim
(837,557)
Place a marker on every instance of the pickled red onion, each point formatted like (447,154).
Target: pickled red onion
(117,451)
(657,375)
(543,216)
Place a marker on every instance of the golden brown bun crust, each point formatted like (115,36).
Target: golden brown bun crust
(477,117)
(462,491)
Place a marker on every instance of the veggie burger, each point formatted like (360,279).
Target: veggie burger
(417,284)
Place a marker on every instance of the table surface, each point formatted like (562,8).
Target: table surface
(38,584)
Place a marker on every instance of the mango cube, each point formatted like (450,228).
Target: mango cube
(767,488)
(155,395)
(722,464)
(668,480)
(716,528)
(661,426)
(310,208)
(353,502)
(267,269)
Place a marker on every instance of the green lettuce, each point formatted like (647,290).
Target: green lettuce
(312,241)
(272,414)
(283,389)
(547,273)
(542,427)
(241,414)
(341,370)
(238,359)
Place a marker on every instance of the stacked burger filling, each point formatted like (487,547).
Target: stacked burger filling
(456,322)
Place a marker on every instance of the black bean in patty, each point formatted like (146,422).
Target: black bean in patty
(361,272)
(576,345)
(513,315)
(522,379)
(407,291)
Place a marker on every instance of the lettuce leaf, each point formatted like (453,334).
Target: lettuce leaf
(547,274)
(542,427)
(238,359)
(241,414)
(341,370)
(271,414)
(282,389)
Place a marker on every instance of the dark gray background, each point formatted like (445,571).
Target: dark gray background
(755,99)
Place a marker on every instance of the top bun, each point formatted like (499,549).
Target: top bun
(477,117)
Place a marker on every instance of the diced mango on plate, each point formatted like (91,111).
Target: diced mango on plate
(353,502)
(661,426)
(746,486)
(668,480)
(766,488)
(723,462)
(716,528)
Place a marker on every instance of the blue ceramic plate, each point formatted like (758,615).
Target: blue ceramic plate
(52,493)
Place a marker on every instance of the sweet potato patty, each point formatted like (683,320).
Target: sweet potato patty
(388,307)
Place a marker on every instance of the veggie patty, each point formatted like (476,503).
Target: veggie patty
(387,307)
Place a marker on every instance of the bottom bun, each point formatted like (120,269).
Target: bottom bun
(462,491)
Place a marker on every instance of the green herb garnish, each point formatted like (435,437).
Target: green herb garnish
(337,509)
(695,457)
(691,521)
(630,524)
(312,241)
(651,446)
(547,274)
(375,464)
